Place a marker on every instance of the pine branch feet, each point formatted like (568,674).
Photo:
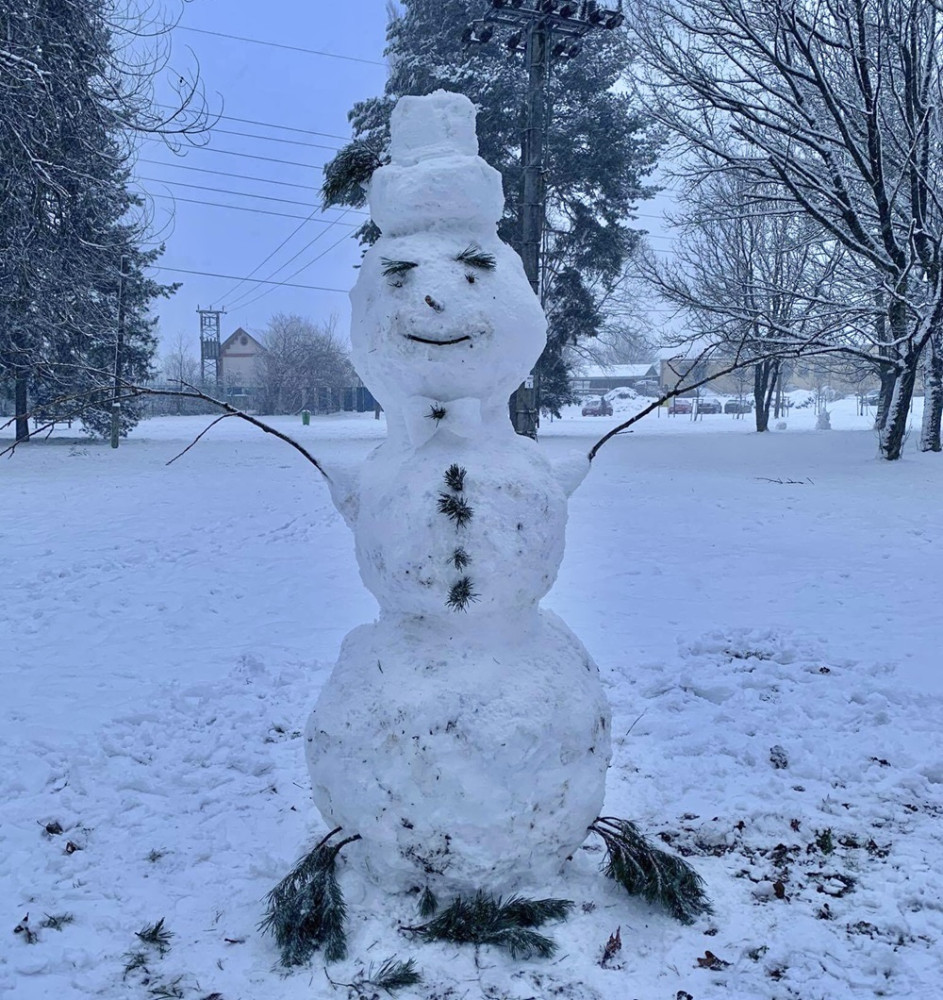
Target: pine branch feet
(484,919)
(306,910)
(644,870)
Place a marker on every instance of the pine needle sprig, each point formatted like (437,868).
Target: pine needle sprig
(455,508)
(157,935)
(535,912)
(134,960)
(394,975)
(485,919)
(306,910)
(428,904)
(460,558)
(437,412)
(461,595)
(455,477)
(647,871)
(391,268)
(474,256)
(346,176)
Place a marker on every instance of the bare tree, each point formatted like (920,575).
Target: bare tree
(178,366)
(756,282)
(304,366)
(836,103)
(626,335)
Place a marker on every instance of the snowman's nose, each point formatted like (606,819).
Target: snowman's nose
(431,302)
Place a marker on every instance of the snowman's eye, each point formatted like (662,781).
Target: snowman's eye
(395,269)
(470,278)
(474,256)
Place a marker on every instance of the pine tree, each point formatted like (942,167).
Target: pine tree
(69,225)
(599,149)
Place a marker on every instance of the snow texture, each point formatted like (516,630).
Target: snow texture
(465,735)
(165,631)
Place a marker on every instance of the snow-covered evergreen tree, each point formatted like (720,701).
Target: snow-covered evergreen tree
(600,148)
(73,252)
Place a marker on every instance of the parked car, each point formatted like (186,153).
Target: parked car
(738,406)
(709,406)
(597,408)
(650,387)
(679,405)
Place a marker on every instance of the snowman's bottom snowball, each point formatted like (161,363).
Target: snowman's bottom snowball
(466,756)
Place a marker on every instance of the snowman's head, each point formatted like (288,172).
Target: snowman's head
(444,315)
(442,307)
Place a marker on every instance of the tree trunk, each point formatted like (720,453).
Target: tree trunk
(886,373)
(895,426)
(932,396)
(21,404)
(888,378)
(764,384)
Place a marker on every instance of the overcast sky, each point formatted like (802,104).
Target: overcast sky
(239,205)
(296,96)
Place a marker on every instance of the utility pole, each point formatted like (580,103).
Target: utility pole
(119,351)
(544,30)
(209,343)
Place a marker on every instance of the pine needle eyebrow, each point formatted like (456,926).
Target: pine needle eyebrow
(391,267)
(474,256)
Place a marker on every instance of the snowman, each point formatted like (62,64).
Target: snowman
(464,735)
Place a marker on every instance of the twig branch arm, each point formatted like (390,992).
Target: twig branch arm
(209,427)
(231,411)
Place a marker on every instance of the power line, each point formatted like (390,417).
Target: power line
(284,128)
(293,257)
(238,194)
(314,260)
(290,236)
(273,138)
(224,173)
(249,156)
(287,128)
(241,177)
(281,45)
(260,281)
(307,187)
(241,208)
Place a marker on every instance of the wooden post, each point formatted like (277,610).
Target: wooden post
(119,349)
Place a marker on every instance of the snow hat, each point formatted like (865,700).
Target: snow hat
(435,179)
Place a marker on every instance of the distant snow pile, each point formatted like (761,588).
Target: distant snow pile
(804,788)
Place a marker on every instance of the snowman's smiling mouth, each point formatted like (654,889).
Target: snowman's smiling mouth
(437,343)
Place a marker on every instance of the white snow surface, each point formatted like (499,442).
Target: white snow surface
(166,631)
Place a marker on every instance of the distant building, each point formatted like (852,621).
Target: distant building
(816,375)
(602,378)
(239,358)
(688,370)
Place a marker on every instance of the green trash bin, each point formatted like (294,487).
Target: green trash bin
(306,417)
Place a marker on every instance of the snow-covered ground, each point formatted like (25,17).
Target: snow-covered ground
(165,631)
